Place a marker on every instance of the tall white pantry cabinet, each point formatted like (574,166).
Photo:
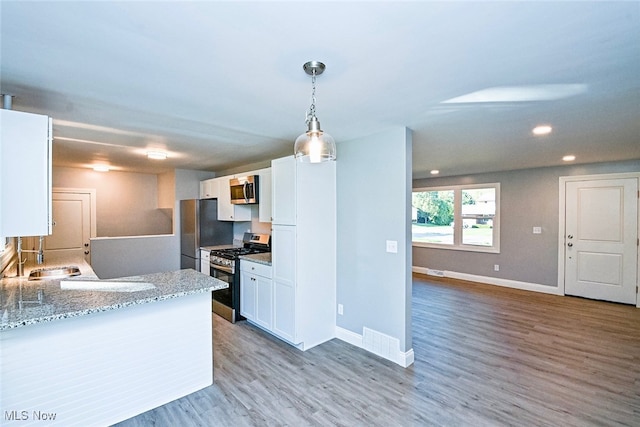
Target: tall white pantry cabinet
(304,251)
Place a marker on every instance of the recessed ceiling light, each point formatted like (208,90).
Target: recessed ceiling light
(156,155)
(569,158)
(542,130)
(435,172)
(101,168)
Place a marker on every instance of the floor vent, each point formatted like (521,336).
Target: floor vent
(380,344)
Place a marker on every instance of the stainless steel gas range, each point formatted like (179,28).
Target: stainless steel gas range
(225,265)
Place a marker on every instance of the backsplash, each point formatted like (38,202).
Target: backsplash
(240,227)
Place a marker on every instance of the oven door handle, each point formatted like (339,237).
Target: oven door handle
(222,268)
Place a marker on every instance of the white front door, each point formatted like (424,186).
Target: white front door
(71,214)
(601,239)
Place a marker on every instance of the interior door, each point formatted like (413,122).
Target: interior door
(601,239)
(71,214)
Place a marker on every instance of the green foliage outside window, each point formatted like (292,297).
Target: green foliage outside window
(434,207)
(457,217)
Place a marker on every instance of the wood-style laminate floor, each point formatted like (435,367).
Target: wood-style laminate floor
(484,356)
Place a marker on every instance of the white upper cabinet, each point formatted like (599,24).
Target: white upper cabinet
(218,188)
(25,174)
(226,210)
(283,191)
(209,189)
(264,200)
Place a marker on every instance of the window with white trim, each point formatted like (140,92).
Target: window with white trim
(462,217)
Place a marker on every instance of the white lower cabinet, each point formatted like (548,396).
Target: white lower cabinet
(205,265)
(256,293)
(248,294)
(264,302)
(284,271)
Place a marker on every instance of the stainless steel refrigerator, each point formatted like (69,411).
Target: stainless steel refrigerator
(199,226)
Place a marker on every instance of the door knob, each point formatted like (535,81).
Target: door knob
(86,252)
(569,244)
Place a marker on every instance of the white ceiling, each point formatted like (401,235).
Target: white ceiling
(220,84)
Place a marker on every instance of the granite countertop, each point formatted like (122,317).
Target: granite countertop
(261,258)
(24,302)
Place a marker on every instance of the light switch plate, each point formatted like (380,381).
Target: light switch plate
(537,230)
(392,246)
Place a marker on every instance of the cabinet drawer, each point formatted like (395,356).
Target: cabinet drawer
(255,268)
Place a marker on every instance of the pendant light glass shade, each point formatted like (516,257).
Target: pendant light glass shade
(314,146)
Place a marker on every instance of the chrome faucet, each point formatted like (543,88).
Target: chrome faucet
(39,256)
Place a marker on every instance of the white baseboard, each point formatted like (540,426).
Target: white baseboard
(349,337)
(507,283)
(404,359)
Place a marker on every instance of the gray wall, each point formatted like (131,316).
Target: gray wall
(134,255)
(528,198)
(126,203)
(187,183)
(374,205)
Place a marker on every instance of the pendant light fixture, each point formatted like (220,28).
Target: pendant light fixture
(315,145)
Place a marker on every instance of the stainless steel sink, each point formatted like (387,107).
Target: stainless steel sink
(54,273)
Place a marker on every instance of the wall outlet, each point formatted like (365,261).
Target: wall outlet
(340,309)
(537,230)
(496,267)
(392,246)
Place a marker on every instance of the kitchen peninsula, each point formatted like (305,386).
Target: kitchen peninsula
(80,351)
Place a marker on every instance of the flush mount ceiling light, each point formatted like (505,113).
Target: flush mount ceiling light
(101,168)
(157,155)
(569,158)
(542,130)
(315,145)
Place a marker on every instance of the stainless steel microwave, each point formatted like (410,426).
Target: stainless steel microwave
(244,190)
